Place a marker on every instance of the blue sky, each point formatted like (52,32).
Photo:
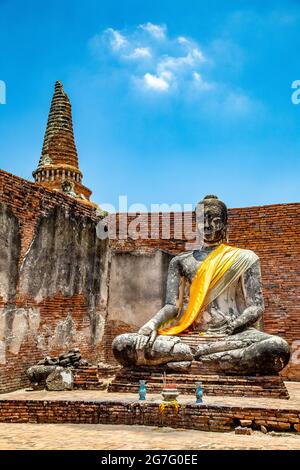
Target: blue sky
(172,99)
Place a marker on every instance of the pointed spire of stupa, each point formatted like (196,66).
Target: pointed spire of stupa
(59,145)
(58,166)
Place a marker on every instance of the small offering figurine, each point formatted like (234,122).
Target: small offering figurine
(142,390)
(199,392)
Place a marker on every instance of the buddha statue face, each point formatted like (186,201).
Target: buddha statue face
(213,223)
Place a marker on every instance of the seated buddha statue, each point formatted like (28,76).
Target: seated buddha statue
(220,305)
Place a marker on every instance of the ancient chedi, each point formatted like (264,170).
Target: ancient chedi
(213,322)
(58,166)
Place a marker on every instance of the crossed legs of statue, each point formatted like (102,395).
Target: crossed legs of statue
(247,353)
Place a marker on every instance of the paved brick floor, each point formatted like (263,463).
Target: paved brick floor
(97,436)
(87,436)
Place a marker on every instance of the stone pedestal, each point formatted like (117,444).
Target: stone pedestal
(127,380)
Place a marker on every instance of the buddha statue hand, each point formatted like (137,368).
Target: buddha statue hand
(247,319)
(230,328)
(148,333)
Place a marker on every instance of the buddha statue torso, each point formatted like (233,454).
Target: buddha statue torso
(221,311)
(225,308)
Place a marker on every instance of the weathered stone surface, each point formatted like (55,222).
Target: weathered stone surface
(169,348)
(47,368)
(242,430)
(48,361)
(103,366)
(250,352)
(131,303)
(179,366)
(38,374)
(9,253)
(70,248)
(60,379)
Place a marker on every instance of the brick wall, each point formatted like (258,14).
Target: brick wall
(218,418)
(52,278)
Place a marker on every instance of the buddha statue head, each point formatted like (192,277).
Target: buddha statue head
(211,219)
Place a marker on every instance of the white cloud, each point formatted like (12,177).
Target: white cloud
(157,31)
(156,83)
(140,53)
(117,40)
(201,84)
(198,55)
(155,65)
(173,63)
(182,40)
(175,66)
(197,76)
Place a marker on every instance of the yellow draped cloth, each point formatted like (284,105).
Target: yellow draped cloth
(210,272)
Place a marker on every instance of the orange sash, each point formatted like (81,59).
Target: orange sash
(209,273)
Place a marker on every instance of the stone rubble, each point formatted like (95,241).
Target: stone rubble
(56,373)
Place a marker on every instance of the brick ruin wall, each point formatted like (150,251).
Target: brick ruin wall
(216,418)
(55,276)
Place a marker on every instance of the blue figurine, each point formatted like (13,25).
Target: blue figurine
(142,390)
(199,392)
